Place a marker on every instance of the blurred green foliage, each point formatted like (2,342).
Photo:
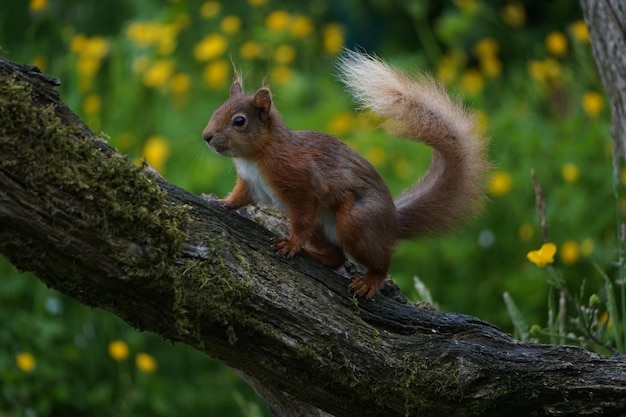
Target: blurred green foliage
(149,73)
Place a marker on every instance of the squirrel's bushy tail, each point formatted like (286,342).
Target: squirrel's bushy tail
(453,187)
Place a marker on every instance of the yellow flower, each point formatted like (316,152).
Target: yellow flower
(570,172)
(143,34)
(586,247)
(546,71)
(40,62)
(472,82)
(284,54)
(96,47)
(250,50)
(449,65)
(146,363)
(332,38)
(77,43)
(210,9)
(282,74)
(216,74)
(376,155)
(556,43)
(491,66)
(37,5)
(180,83)
(570,252)
(92,104)
(230,24)
(278,20)
(526,232)
(156,150)
(301,27)
(159,73)
(513,14)
(118,350)
(402,168)
(26,362)
(592,103)
(211,46)
(499,183)
(466,6)
(579,31)
(543,256)
(605,319)
(341,123)
(486,47)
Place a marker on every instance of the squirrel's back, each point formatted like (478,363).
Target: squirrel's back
(419,109)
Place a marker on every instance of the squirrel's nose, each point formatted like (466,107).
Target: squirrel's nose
(207,136)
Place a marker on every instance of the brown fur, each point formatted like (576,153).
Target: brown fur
(335,200)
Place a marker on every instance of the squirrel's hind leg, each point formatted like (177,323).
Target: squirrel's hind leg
(322,249)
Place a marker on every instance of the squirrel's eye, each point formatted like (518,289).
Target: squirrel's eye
(239,121)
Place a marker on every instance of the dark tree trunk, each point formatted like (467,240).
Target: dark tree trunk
(90,224)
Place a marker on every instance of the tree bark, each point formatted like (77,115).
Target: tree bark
(92,225)
(606,20)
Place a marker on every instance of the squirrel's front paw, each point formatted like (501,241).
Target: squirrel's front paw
(286,247)
(367,286)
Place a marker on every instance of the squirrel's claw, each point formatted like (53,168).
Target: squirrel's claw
(286,247)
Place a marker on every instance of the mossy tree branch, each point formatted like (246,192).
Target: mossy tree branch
(92,225)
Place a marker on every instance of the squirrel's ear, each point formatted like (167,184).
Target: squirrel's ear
(235,87)
(263,102)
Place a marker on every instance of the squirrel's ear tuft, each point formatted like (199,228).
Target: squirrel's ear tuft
(263,102)
(236,87)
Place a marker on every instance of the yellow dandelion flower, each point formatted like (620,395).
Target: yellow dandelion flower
(282,74)
(499,183)
(210,47)
(156,150)
(284,54)
(341,123)
(278,20)
(159,73)
(513,14)
(482,122)
(301,27)
(545,71)
(556,43)
(466,6)
(77,43)
(143,34)
(216,74)
(402,168)
(250,50)
(543,256)
(570,252)
(586,247)
(92,104)
(118,350)
(526,232)
(210,9)
(25,361)
(37,5)
(486,47)
(257,2)
(592,103)
(96,47)
(491,66)
(579,31)
(449,65)
(570,172)
(472,82)
(333,38)
(180,83)
(40,62)
(376,155)
(140,64)
(146,363)
(230,24)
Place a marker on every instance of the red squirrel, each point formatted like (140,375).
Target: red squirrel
(335,200)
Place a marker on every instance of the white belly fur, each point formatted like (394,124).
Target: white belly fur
(260,190)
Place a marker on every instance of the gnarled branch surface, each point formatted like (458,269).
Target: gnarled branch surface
(92,225)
